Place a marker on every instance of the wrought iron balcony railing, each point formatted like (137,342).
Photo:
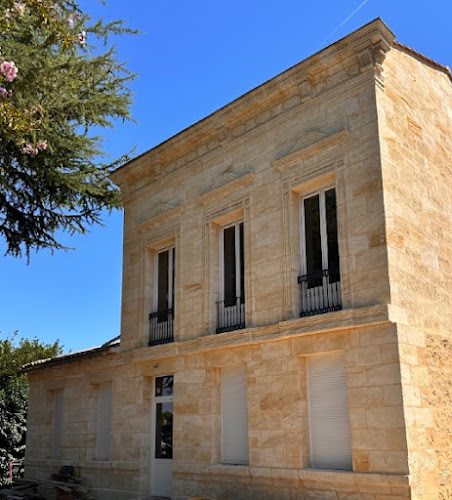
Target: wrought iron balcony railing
(231,316)
(320,292)
(161,327)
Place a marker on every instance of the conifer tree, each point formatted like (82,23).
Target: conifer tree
(59,80)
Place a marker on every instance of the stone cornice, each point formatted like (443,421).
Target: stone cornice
(227,189)
(372,53)
(298,85)
(311,150)
(346,319)
(362,81)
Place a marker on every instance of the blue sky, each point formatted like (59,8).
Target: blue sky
(191,59)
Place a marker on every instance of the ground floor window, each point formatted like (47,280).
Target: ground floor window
(329,425)
(104,422)
(57,431)
(234,416)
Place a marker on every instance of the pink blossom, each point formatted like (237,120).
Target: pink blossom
(3,92)
(19,7)
(82,38)
(70,21)
(29,149)
(41,145)
(9,70)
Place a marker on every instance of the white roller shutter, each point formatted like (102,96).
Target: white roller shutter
(104,422)
(235,416)
(329,423)
(57,432)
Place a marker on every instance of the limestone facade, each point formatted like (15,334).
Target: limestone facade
(368,118)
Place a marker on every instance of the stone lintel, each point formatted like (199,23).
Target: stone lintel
(161,218)
(227,189)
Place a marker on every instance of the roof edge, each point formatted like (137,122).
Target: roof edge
(73,356)
(425,59)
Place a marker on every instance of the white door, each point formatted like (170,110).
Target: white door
(162,447)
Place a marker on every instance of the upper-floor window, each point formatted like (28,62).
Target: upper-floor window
(231,307)
(162,319)
(320,281)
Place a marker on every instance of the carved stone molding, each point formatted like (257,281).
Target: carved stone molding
(227,212)
(162,216)
(372,56)
(365,59)
(305,90)
(313,175)
(311,151)
(228,188)
(165,207)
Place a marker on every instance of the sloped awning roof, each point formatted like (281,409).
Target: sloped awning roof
(73,356)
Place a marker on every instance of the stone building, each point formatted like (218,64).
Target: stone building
(287,304)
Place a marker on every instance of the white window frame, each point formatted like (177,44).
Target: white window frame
(324,294)
(323,228)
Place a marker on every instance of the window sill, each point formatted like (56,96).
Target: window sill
(358,478)
(230,470)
